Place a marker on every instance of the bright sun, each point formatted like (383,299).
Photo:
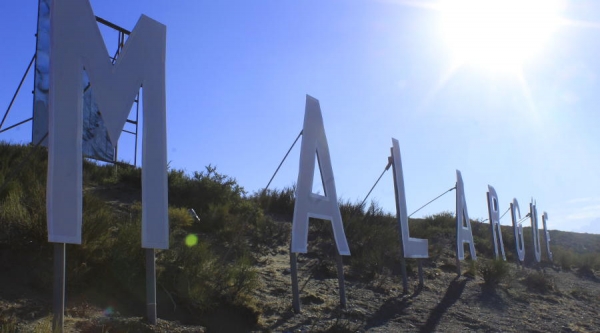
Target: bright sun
(499,35)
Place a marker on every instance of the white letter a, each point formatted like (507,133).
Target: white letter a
(309,204)
(464,233)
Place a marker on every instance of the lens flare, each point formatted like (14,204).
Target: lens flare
(191,240)
(499,34)
(109,311)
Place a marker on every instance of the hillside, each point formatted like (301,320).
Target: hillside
(229,272)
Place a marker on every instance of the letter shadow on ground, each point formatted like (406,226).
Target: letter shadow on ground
(490,297)
(453,293)
(391,308)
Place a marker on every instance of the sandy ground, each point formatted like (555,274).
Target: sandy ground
(446,303)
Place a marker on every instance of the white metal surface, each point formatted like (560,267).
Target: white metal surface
(76,43)
(547,234)
(309,204)
(517,229)
(535,232)
(494,217)
(413,247)
(464,233)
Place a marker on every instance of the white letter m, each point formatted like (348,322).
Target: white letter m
(76,43)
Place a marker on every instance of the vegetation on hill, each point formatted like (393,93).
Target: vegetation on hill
(211,264)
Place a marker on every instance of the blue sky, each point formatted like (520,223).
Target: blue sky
(238,73)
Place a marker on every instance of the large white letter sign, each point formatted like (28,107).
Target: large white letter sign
(412,247)
(76,43)
(309,204)
(547,234)
(494,216)
(518,230)
(535,235)
(464,234)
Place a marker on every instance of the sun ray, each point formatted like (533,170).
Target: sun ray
(528,96)
(579,24)
(441,83)
(424,4)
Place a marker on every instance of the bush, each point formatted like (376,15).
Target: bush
(278,203)
(566,259)
(189,273)
(267,234)
(540,282)
(204,190)
(494,271)
(589,261)
(23,196)
(198,277)
(179,218)
(374,242)
(584,263)
(436,227)
(472,268)
(484,245)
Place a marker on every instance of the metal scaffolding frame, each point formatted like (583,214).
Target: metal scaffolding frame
(122,35)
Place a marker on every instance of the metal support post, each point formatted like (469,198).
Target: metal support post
(294,274)
(421,283)
(151,286)
(341,282)
(58,305)
(404,275)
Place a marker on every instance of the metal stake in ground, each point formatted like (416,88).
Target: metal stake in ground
(58,306)
(151,286)
(403,270)
(294,274)
(421,282)
(341,283)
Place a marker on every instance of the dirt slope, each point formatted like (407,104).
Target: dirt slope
(446,303)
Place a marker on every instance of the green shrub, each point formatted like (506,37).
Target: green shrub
(22,229)
(23,196)
(589,261)
(127,259)
(483,245)
(436,227)
(350,210)
(95,173)
(278,203)
(494,271)
(239,280)
(472,268)
(584,263)
(130,176)
(565,258)
(540,282)
(198,277)
(267,234)
(374,241)
(179,218)
(189,274)
(203,190)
